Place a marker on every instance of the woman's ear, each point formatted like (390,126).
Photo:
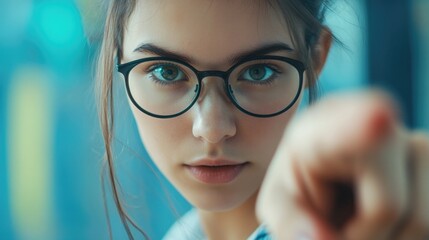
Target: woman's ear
(321,50)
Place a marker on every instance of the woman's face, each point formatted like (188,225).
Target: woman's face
(213,131)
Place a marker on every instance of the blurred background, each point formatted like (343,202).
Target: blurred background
(50,145)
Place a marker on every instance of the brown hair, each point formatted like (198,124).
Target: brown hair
(304,17)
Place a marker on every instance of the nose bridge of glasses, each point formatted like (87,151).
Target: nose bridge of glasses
(212,73)
(213,84)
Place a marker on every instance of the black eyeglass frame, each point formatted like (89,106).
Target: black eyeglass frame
(126,68)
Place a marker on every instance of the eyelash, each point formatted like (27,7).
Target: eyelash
(151,68)
(270,80)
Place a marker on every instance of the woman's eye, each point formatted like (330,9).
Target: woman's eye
(258,73)
(168,73)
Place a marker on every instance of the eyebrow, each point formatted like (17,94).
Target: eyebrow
(260,51)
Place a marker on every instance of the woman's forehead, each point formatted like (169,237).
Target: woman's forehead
(209,31)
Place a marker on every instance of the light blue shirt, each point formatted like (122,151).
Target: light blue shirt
(188,227)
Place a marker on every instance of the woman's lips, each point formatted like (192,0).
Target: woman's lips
(215,171)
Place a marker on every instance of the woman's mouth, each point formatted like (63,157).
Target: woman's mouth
(215,171)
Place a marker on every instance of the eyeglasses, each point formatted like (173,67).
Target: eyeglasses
(262,86)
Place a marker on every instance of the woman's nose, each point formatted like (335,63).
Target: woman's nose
(214,119)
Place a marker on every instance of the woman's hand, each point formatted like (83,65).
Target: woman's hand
(346,169)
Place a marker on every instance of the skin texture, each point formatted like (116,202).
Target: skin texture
(210,32)
(354,139)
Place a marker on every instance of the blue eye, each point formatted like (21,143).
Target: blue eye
(168,73)
(258,73)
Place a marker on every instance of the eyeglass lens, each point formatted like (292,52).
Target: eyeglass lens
(263,86)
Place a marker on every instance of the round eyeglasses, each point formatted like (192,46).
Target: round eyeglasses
(263,86)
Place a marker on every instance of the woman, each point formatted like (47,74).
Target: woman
(213,86)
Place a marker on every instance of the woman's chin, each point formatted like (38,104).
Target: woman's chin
(219,202)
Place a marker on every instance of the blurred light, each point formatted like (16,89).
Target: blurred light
(58,26)
(30,149)
(15,17)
